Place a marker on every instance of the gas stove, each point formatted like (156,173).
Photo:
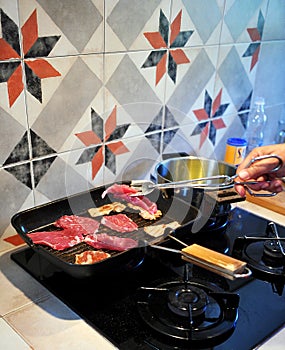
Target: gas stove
(164,302)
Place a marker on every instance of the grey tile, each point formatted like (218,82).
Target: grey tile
(274,28)
(12,196)
(58,118)
(206,16)
(14,142)
(140,161)
(155,140)
(60,178)
(78,20)
(234,129)
(132,14)
(157,122)
(238,15)
(270,77)
(193,82)
(128,85)
(235,78)
(274,114)
(181,141)
(131,90)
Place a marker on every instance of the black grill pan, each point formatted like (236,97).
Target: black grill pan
(42,218)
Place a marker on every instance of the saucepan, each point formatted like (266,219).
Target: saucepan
(206,174)
(214,205)
(213,201)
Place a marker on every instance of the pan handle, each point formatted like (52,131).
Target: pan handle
(247,274)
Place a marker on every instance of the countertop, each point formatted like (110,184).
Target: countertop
(32,318)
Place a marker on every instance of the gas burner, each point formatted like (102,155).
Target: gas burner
(265,256)
(272,254)
(189,311)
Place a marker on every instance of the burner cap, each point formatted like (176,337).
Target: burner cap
(185,299)
(272,249)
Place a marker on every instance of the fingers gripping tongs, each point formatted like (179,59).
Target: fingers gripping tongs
(275,169)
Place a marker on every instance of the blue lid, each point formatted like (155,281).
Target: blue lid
(234,141)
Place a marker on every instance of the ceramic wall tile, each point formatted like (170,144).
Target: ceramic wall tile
(234,128)
(197,22)
(274,114)
(66,174)
(234,76)
(270,82)
(134,159)
(69,101)
(244,21)
(15,195)
(185,140)
(13,116)
(274,27)
(194,79)
(144,20)
(10,42)
(131,86)
(62,28)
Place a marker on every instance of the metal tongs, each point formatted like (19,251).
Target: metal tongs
(209,183)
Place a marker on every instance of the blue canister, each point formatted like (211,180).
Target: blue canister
(235,150)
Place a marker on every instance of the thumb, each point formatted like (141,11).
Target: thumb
(244,174)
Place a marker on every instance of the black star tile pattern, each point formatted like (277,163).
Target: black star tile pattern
(40,168)
(22,173)
(39,146)
(20,151)
(243,116)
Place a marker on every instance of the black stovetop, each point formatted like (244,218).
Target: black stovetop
(107,302)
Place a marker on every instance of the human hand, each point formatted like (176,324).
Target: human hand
(261,170)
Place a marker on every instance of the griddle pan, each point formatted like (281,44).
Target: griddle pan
(42,218)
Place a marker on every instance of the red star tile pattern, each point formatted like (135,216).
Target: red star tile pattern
(15,240)
(34,48)
(255,36)
(167,43)
(209,118)
(100,134)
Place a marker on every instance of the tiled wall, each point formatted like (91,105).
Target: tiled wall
(94,91)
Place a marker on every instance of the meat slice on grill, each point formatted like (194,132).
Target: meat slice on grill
(119,223)
(123,192)
(159,230)
(58,240)
(80,224)
(119,189)
(104,241)
(91,257)
(106,209)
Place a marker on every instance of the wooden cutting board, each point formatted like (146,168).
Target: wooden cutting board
(276,203)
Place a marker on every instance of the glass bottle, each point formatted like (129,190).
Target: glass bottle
(255,125)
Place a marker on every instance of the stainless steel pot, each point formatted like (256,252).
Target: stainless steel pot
(188,168)
(214,205)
